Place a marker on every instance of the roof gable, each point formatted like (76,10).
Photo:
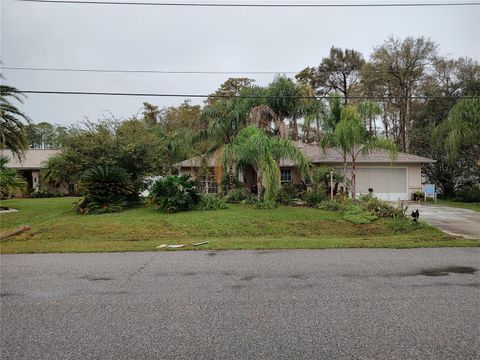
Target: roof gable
(33,160)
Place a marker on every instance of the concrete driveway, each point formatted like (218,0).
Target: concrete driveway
(454,221)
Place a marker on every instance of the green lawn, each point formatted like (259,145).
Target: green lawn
(458,204)
(57,228)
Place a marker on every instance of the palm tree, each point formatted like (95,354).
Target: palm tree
(12,132)
(225,118)
(10,182)
(253,147)
(463,127)
(330,122)
(284,98)
(351,139)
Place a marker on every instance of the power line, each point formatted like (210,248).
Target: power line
(148,71)
(287,5)
(181,72)
(48,92)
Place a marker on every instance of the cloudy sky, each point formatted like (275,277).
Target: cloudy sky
(194,39)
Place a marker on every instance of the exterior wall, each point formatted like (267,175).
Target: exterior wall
(186,171)
(413,172)
(208,184)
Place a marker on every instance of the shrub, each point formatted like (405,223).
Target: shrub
(175,193)
(105,188)
(42,193)
(101,204)
(263,205)
(295,191)
(400,225)
(10,181)
(469,194)
(378,207)
(339,203)
(239,195)
(417,195)
(211,202)
(283,197)
(314,198)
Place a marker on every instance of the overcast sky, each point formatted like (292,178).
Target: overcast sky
(183,39)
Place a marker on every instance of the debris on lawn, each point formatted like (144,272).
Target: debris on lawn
(17,231)
(173,246)
(200,243)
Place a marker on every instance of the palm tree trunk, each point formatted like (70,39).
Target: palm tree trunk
(354,180)
(345,172)
(294,129)
(385,119)
(259,184)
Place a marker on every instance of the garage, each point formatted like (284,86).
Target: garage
(387,183)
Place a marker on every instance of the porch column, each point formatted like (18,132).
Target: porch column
(35,179)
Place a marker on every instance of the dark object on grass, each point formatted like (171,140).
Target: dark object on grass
(17,231)
(415,215)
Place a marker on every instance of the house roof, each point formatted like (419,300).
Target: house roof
(318,155)
(330,155)
(33,158)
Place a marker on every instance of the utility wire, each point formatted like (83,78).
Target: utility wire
(147,71)
(181,72)
(236,96)
(286,5)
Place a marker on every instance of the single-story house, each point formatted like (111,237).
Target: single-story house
(29,168)
(390,179)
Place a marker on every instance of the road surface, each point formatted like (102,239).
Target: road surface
(327,304)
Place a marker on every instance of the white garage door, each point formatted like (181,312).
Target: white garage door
(387,183)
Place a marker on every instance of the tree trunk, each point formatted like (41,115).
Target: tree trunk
(408,125)
(345,172)
(259,184)
(385,119)
(354,179)
(294,129)
(402,129)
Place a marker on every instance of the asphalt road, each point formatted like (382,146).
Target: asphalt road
(328,304)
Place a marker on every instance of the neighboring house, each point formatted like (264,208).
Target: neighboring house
(29,168)
(389,179)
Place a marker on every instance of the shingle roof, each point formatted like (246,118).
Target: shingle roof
(195,162)
(330,155)
(318,156)
(33,158)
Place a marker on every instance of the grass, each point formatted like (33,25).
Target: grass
(55,227)
(458,204)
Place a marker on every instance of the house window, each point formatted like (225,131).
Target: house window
(208,184)
(285,176)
